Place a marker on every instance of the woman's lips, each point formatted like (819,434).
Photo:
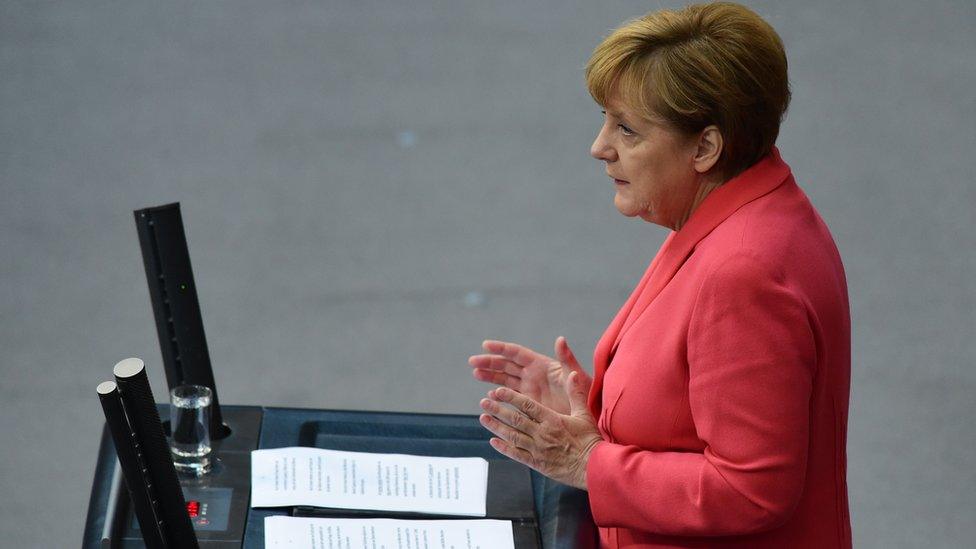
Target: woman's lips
(620,182)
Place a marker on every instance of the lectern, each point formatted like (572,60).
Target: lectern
(217,504)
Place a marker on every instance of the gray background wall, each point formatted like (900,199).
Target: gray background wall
(351,170)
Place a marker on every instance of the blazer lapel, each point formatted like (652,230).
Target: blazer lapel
(760,179)
(603,351)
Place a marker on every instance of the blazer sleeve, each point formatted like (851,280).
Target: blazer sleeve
(751,361)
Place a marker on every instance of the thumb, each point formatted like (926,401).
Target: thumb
(577,391)
(565,355)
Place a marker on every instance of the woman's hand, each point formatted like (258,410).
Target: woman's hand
(537,376)
(557,445)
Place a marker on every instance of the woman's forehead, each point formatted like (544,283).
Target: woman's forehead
(621,107)
(617,106)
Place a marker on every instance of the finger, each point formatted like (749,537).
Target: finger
(577,392)
(565,355)
(510,416)
(513,452)
(529,407)
(505,432)
(512,351)
(497,378)
(495,362)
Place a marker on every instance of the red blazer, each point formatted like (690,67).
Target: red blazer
(722,385)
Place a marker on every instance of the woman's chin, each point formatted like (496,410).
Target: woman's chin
(626,208)
(630,210)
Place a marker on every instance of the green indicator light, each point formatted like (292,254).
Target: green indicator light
(182,286)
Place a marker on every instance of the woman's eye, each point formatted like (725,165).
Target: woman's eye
(625,129)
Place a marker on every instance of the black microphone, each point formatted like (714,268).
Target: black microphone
(140,408)
(144,503)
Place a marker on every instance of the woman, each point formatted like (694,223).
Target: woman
(717,414)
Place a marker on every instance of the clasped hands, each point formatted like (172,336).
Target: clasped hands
(538,414)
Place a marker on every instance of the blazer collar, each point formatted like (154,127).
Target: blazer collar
(758,180)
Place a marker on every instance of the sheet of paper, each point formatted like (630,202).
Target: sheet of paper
(326,533)
(355,480)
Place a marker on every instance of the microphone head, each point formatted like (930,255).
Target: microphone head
(128,368)
(106,388)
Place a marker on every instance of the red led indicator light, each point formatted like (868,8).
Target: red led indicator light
(193,508)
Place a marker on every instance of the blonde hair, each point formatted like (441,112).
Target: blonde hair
(704,64)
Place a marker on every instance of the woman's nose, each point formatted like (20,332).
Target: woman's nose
(601,149)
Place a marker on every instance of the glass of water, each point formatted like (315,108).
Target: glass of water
(189,416)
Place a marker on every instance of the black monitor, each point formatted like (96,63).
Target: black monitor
(176,308)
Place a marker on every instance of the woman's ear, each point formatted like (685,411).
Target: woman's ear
(709,150)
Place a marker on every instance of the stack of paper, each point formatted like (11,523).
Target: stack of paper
(326,533)
(286,477)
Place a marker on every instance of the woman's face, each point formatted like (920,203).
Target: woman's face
(651,165)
